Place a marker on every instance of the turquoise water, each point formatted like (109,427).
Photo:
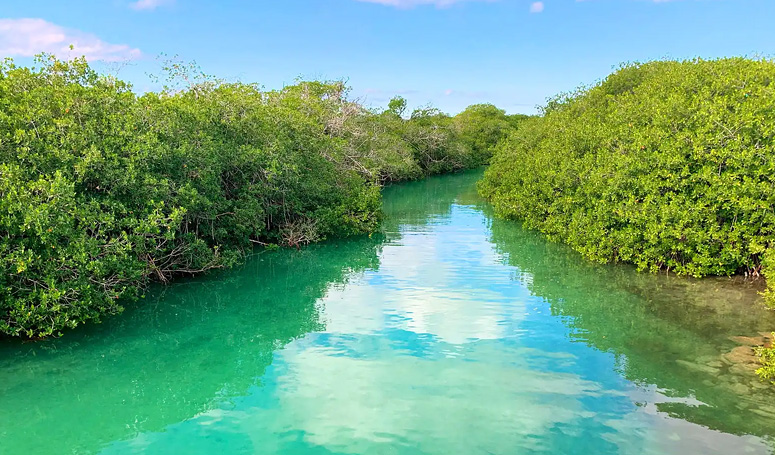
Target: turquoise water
(449,332)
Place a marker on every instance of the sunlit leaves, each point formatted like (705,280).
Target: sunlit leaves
(667,165)
(102,190)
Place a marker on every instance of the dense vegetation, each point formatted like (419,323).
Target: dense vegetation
(102,189)
(669,165)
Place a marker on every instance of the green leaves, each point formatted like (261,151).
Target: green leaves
(667,165)
(102,191)
(767,359)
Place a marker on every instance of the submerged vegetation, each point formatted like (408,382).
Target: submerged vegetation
(668,165)
(102,190)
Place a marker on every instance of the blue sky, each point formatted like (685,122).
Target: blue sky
(451,53)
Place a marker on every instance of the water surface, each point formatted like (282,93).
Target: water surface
(449,332)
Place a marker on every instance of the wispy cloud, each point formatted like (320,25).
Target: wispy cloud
(149,5)
(537,7)
(406,4)
(29,36)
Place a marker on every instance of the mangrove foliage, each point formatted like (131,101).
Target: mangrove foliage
(102,189)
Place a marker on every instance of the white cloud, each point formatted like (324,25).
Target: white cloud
(149,5)
(29,36)
(537,7)
(412,3)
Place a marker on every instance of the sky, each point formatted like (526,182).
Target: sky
(449,53)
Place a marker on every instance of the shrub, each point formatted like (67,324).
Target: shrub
(768,270)
(667,165)
(102,190)
(482,127)
(767,359)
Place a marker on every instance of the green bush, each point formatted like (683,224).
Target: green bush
(102,190)
(767,359)
(768,271)
(482,127)
(667,165)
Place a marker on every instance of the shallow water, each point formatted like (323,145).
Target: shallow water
(448,333)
